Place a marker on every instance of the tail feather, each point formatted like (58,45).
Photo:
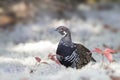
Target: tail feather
(92,59)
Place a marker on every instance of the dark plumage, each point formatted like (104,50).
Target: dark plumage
(72,54)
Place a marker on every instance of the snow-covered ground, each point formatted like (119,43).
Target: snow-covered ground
(19,47)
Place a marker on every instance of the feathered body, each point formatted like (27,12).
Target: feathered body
(72,54)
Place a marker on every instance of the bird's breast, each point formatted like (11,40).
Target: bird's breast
(65,50)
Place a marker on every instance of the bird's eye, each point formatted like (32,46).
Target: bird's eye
(62,29)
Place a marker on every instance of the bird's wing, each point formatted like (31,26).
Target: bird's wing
(84,54)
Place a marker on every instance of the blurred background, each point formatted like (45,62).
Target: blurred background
(27,29)
(90,21)
(94,23)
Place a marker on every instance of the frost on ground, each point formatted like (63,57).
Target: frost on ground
(18,48)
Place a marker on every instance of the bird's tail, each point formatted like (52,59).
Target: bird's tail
(92,59)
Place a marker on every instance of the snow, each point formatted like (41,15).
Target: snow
(19,47)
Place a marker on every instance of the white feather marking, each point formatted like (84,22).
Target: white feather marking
(73,57)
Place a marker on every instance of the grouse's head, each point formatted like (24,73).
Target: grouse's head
(62,30)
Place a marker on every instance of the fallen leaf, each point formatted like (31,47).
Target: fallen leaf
(98,50)
(52,57)
(107,53)
(115,78)
(109,56)
(44,62)
(37,59)
(57,62)
(108,50)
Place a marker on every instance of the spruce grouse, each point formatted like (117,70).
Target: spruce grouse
(72,54)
